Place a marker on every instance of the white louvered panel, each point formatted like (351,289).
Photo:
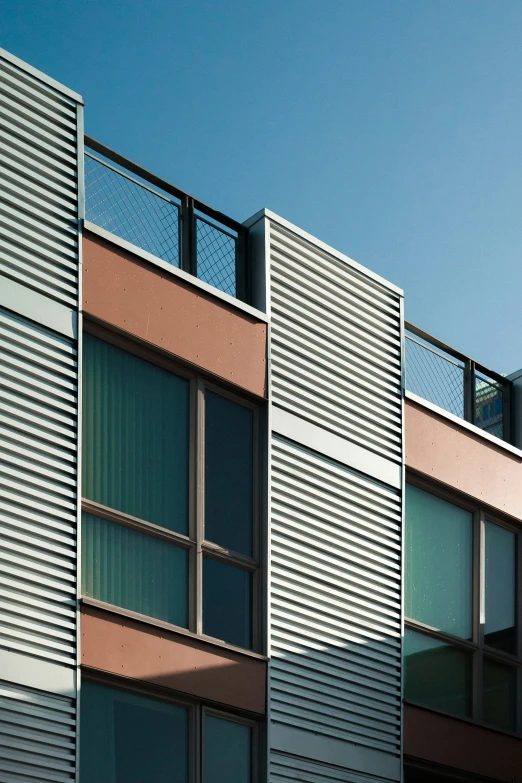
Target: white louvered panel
(37,736)
(38,418)
(285,768)
(38,171)
(335,345)
(335,600)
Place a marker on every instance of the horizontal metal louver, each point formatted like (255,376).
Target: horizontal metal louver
(335,600)
(37,736)
(284,768)
(39,193)
(335,345)
(38,420)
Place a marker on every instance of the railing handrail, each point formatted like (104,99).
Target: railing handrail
(161,183)
(409,327)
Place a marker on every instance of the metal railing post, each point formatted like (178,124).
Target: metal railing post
(469,391)
(188,260)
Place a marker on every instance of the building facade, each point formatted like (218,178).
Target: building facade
(254,526)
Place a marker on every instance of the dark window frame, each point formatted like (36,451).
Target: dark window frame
(194,541)
(476,647)
(197,709)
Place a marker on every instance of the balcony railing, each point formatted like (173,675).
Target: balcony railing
(454,382)
(151,214)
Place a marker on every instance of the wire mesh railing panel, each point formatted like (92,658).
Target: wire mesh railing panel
(132,211)
(435,377)
(216,256)
(489,405)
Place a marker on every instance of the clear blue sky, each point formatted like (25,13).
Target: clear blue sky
(391,129)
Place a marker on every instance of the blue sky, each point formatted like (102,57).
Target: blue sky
(391,129)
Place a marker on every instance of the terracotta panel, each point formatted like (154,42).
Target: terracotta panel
(460,745)
(448,453)
(149,303)
(115,644)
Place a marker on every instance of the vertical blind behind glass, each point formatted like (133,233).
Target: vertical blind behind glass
(135,436)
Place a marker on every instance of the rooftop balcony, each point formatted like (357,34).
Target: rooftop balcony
(146,211)
(153,215)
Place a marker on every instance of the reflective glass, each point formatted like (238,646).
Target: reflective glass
(135,571)
(227,751)
(438,563)
(437,675)
(131,739)
(499,628)
(135,436)
(227,600)
(499,695)
(228,473)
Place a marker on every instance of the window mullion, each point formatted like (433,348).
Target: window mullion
(478,609)
(200,502)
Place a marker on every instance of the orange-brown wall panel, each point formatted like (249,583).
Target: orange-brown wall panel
(460,745)
(460,459)
(126,292)
(114,644)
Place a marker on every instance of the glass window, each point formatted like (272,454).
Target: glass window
(436,674)
(227,751)
(226,602)
(131,739)
(135,436)
(499,628)
(438,563)
(499,695)
(138,572)
(228,473)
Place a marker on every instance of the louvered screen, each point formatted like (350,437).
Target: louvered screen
(38,416)
(38,172)
(335,600)
(284,768)
(335,344)
(37,736)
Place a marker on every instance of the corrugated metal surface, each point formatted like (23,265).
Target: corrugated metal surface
(285,767)
(38,416)
(38,200)
(37,736)
(335,600)
(335,344)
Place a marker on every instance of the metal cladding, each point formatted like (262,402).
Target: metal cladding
(41,185)
(335,546)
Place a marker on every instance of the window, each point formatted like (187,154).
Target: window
(462,646)
(134,738)
(170,520)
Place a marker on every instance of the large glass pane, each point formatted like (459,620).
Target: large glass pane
(135,571)
(135,436)
(227,602)
(228,473)
(226,751)
(438,563)
(499,695)
(437,675)
(131,739)
(499,628)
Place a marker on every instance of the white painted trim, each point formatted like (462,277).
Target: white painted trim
(466,425)
(324,247)
(335,752)
(344,451)
(36,74)
(37,307)
(185,276)
(25,670)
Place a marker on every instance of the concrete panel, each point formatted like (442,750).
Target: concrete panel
(119,645)
(433,737)
(125,291)
(444,451)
